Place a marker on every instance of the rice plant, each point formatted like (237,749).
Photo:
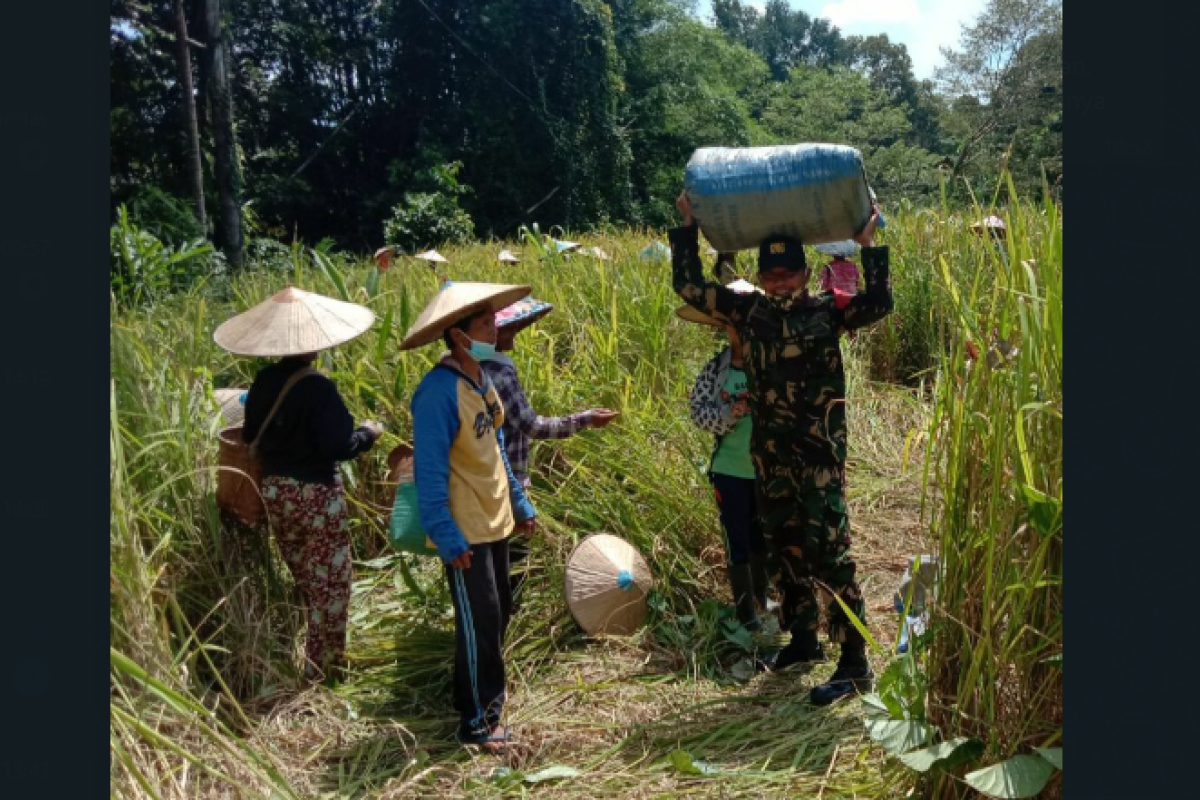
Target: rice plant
(206,696)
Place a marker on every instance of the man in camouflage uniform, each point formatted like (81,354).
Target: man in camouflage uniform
(797,392)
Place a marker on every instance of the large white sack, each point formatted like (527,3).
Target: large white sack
(816,193)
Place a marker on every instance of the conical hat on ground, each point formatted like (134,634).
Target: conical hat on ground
(606,585)
(692,314)
(507,257)
(456,301)
(293,322)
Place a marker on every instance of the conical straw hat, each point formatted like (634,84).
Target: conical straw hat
(655,251)
(992,224)
(692,314)
(596,253)
(293,322)
(432,255)
(455,301)
(508,258)
(607,582)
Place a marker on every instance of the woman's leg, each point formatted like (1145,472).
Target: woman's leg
(735,500)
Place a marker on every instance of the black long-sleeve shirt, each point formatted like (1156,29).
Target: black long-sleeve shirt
(311,431)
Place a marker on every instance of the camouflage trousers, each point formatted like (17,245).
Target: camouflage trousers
(805,523)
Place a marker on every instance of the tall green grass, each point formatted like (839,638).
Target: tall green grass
(995,489)
(206,700)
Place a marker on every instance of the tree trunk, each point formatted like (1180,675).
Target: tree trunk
(220,100)
(195,168)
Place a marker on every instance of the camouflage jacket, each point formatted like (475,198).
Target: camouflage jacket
(793,357)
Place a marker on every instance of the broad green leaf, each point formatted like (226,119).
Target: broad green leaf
(683,761)
(738,634)
(1045,512)
(944,755)
(552,773)
(898,735)
(854,620)
(1019,776)
(385,335)
(875,706)
(330,271)
(506,776)
(371,284)
(1051,754)
(742,670)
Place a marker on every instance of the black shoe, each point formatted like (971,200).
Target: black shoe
(796,651)
(844,681)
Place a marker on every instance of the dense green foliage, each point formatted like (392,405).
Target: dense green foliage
(571,112)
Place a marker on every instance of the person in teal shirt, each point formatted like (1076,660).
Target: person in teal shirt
(718,405)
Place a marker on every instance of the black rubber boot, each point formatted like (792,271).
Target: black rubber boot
(742,583)
(853,673)
(762,578)
(802,649)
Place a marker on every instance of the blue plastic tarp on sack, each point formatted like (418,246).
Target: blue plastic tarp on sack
(816,193)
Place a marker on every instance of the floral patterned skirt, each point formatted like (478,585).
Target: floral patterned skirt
(310,524)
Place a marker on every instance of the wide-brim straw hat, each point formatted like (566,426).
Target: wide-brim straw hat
(607,583)
(432,255)
(692,314)
(655,251)
(992,223)
(522,313)
(291,323)
(456,301)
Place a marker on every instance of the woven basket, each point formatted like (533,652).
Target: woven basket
(238,478)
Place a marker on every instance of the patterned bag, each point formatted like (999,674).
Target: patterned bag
(405,531)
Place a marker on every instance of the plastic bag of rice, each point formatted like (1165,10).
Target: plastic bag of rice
(816,193)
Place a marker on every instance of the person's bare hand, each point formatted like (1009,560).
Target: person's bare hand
(462,561)
(866,237)
(740,409)
(528,526)
(685,208)
(602,416)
